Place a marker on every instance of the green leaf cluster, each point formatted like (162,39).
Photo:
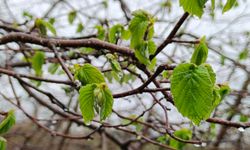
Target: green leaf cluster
(43,26)
(94,95)
(142,31)
(195,93)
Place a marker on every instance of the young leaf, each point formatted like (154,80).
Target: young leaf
(100,32)
(200,53)
(184,134)
(106,101)
(80,27)
(71,16)
(39,23)
(88,74)
(95,96)
(224,90)
(86,101)
(217,97)
(50,27)
(192,90)
(114,63)
(229,5)
(3,144)
(8,122)
(52,21)
(43,26)
(115,33)
(37,62)
(194,7)
(243,54)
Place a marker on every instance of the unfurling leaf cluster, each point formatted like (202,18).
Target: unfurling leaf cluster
(142,31)
(94,95)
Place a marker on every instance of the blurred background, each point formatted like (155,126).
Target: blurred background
(228,37)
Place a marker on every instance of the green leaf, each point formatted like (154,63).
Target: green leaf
(88,74)
(194,7)
(53,68)
(80,28)
(200,53)
(142,54)
(243,54)
(71,16)
(37,62)
(192,90)
(3,144)
(52,21)
(184,134)
(8,122)
(229,5)
(100,32)
(243,118)
(138,27)
(86,101)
